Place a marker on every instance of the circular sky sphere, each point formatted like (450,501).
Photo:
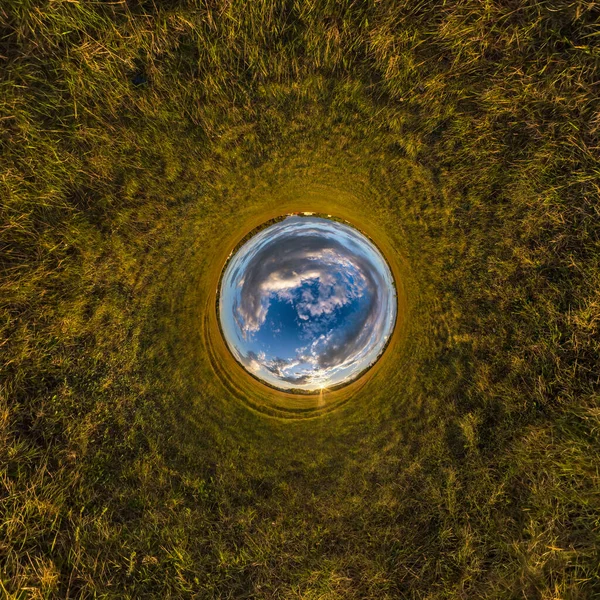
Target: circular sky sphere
(307,303)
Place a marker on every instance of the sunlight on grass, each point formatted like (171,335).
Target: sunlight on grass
(141,141)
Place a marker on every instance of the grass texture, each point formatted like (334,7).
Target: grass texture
(141,140)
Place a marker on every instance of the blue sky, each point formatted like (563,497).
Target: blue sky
(307,303)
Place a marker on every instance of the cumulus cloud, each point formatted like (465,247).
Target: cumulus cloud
(321,269)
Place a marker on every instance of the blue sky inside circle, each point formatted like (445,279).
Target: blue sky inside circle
(307,303)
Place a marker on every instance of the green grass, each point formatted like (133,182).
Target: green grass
(138,138)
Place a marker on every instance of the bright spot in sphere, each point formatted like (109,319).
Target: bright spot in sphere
(307,303)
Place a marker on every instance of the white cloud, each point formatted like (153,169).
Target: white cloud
(318,272)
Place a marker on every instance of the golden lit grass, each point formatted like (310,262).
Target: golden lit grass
(139,139)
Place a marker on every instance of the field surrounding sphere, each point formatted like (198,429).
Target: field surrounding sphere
(307,303)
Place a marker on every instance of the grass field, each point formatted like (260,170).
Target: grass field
(141,140)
